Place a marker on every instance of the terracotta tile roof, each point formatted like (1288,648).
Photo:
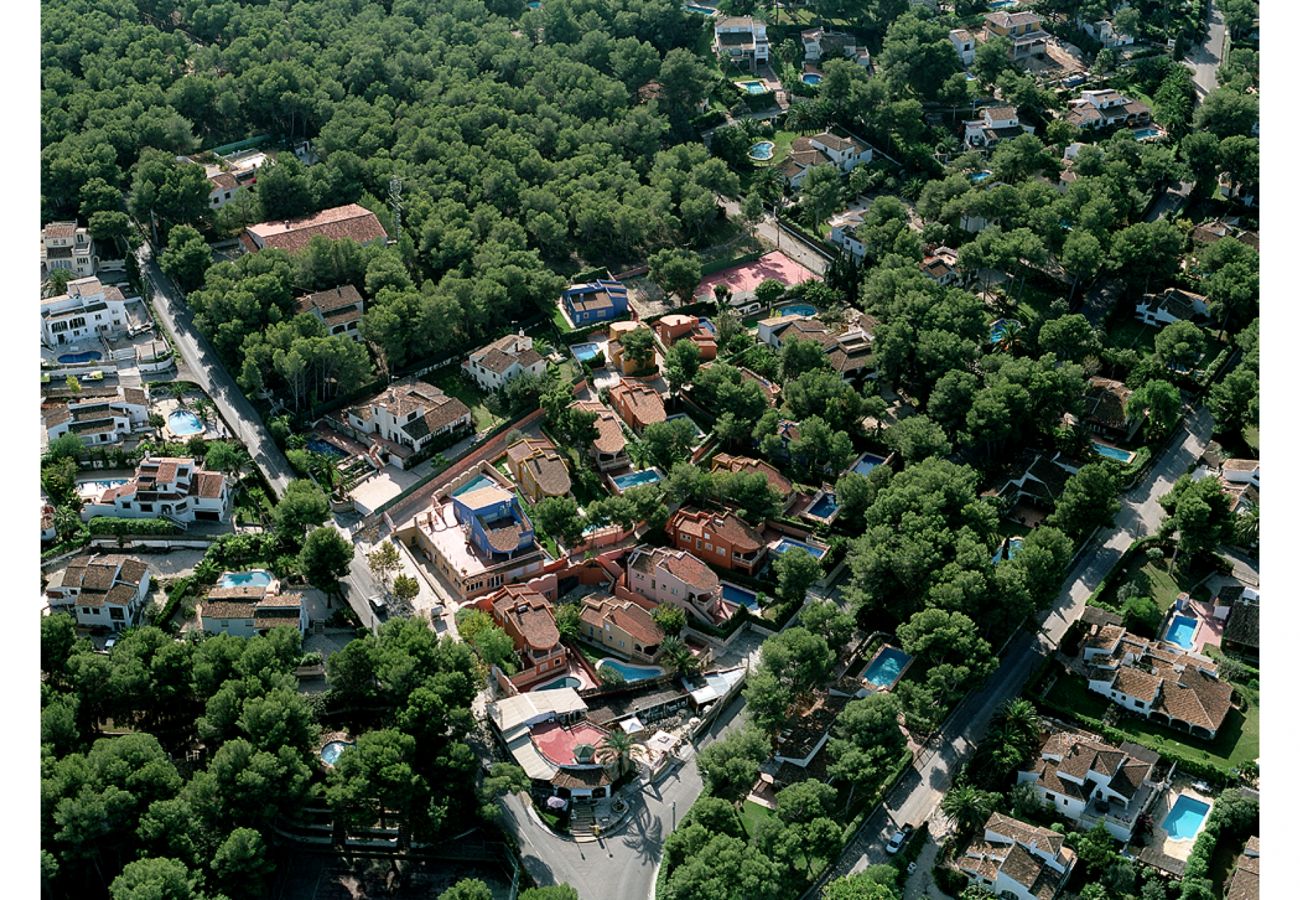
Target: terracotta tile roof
(1244,883)
(546,467)
(1105,401)
(1130,777)
(1243,625)
(1021,866)
(1137,684)
(66,230)
(725,462)
(502,353)
(238,592)
(1025,833)
(639,404)
(681,563)
(224,180)
(530,614)
(728,526)
(1196,699)
(351,221)
(331,300)
(136,396)
(609,436)
(227,609)
(599,609)
(209,484)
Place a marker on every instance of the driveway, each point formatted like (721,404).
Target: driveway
(209,372)
(918,793)
(1204,59)
(791,245)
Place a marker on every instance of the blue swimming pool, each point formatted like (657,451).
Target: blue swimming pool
(1003,4)
(762,150)
(183,423)
(479,481)
(1182,632)
(798,309)
(82,357)
(534,4)
(868,462)
(586,352)
(1146,134)
(825,507)
(708,326)
(752,87)
(567,681)
(1115,453)
(1008,549)
(317,445)
(979,177)
(811,79)
(886,668)
(740,596)
(701,10)
(636,479)
(1185,818)
(251,578)
(998,330)
(786,544)
(331,752)
(630,672)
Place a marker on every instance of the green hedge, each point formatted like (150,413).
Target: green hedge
(121,527)
(177,592)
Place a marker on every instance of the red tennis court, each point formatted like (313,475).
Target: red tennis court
(744,278)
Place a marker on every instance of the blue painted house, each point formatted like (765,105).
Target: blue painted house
(598,301)
(496,523)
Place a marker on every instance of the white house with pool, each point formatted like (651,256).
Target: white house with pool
(88,311)
(99,421)
(172,488)
(250,603)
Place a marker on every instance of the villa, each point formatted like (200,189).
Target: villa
(245,610)
(406,419)
(339,309)
(824,149)
(675,327)
(503,360)
(628,365)
(1104,33)
(844,233)
(1173,305)
(963,42)
(610,446)
(1105,108)
(742,41)
(819,43)
(1019,860)
(539,471)
(88,311)
(99,420)
(1089,781)
(677,577)
(1039,483)
(1105,409)
(548,735)
(598,301)
(229,176)
(351,222)
(528,618)
(725,462)
(941,266)
(102,591)
(173,488)
(620,624)
(1158,681)
(68,246)
(479,539)
(848,348)
(995,123)
(806,733)
(1240,471)
(1244,882)
(637,404)
(722,539)
(1023,29)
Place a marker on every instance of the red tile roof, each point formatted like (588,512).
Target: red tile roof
(351,221)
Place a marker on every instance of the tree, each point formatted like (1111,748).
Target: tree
(405,590)
(467,889)
(1071,338)
(800,357)
(1089,500)
(1198,511)
(968,807)
(549,892)
(639,348)
(730,764)
(819,449)
(153,879)
(917,438)
(866,742)
(109,226)
(798,658)
(617,748)
(669,442)
(795,571)
(1234,401)
(822,193)
(227,457)
(284,189)
(326,557)
(1180,345)
(863,886)
(1226,112)
(568,619)
(1160,404)
(383,562)
(558,518)
(241,865)
(676,272)
(824,618)
(1142,616)
(175,192)
(681,362)
(494,646)
(303,506)
(769,291)
(992,58)
(670,619)
(804,801)
(1146,252)
(59,478)
(186,257)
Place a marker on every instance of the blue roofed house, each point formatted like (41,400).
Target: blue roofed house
(496,523)
(603,300)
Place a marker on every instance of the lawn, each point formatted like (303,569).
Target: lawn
(457,385)
(1250,434)
(752,815)
(1129,333)
(1155,581)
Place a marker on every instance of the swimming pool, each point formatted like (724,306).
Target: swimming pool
(1182,632)
(762,150)
(636,479)
(630,672)
(979,177)
(701,10)
(585,352)
(479,481)
(83,356)
(1009,548)
(534,4)
(824,507)
(1146,134)
(798,309)
(708,326)
(786,544)
(251,578)
(183,423)
(998,330)
(331,752)
(868,462)
(1003,4)
(887,667)
(752,87)
(567,681)
(740,596)
(812,79)
(1115,453)
(317,445)
(1185,818)
(91,490)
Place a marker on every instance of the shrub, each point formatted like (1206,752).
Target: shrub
(120,526)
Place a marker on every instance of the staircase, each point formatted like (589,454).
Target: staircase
(582,820)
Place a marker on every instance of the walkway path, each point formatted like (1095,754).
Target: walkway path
(209,372)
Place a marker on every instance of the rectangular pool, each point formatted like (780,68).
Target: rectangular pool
(636,479)
(93,490)
(866,463)
(752,87)
(785,544)
(1120,456)
(479,481)
(1182,632)
(824,507)
(1185,818)
(887,667)
(740,596)
(585,352)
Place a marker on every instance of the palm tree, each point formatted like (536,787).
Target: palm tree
(1021,720)
(968,807)
(616,748)
(178,391)
(203,408)
(1010,338)
(678,657)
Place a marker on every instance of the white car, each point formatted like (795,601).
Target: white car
(896,842)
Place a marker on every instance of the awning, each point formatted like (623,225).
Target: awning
(632,725)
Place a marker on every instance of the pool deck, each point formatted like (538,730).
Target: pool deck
(1160,841)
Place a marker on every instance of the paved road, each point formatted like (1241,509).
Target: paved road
(626,864)
(918,794)
(1205,58)
(791,245)
(212,376)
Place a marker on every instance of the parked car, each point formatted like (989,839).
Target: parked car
(900,837)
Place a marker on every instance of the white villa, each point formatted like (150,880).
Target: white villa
(1104,108)
(99,420)
(996,123)
(964,43)
(65,245)
(102,590)
(1016,859)
(1174,305)
(172,488)
(1104,33)
(339,309)
(819,43)
(503,360)
(845,153)
(404,419)
(247,610)
(88,310)
(741,40)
